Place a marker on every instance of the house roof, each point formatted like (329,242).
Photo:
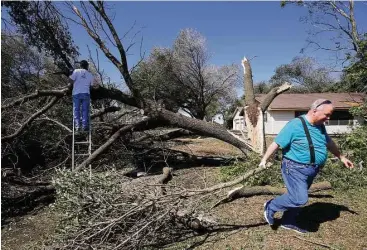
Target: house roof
(304,101)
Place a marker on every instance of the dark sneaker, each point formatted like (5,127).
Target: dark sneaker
(267,214)
(294,228)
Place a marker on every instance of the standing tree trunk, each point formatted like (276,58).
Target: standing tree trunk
(254,111)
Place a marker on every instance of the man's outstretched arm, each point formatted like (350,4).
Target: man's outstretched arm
(271,149)
(333,148)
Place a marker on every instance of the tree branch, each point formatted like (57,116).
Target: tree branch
(30,119)
(105,111)
(108,143)
(35,95)
(267,190)
(272,94)
(57,122)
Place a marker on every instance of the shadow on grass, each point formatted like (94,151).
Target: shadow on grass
(207,235)
(312,216)
(222,228)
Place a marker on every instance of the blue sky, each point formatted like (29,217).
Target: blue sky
(232,29)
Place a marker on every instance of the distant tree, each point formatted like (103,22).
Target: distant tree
(182,77)
(356,73)
(305,74)
(335,18)
(42,26)
(262,87)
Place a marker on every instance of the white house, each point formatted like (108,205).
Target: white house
(218,118)
(288,106)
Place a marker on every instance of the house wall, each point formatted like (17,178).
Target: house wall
(218,118)
(276,120)
(238,122)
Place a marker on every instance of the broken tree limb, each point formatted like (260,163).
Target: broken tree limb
(108,143)
(46,118)
(274,92)
(176,133)
(202,128)
(164,179)
(231,183)
(248,83)
(267,190)
(35,95)
(105,111)
(30,119)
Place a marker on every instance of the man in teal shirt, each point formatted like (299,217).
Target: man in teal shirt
(301,162)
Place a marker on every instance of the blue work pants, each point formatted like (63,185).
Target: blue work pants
(81,100)
(298,179)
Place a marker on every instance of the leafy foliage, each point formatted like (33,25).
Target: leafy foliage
(43,27)
(355,78)
(272,176)
(182,78)
(305,74)
(24,70)
(109,209)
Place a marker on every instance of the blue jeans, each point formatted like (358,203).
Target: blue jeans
(298,179)
(82,100)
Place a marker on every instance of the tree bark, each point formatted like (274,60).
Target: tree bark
(272,94)
(267,190)
(164,179)
(254,112)
(202,128)
(248,83)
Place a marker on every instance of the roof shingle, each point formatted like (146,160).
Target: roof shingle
(304,101)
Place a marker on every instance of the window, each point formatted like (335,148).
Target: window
(298,113)
(341,115)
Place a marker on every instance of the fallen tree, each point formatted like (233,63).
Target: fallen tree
(154,109)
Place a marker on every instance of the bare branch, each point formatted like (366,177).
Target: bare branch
(105,111)
(267,190)
(46,118)
(108,143)
(272,94)
(35,95)
(30,119)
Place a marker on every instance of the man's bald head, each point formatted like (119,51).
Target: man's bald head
(319,102)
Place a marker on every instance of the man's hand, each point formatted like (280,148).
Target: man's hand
(346,162)
(262,164)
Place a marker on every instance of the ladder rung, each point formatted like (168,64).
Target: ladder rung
(81,142)
(82,154)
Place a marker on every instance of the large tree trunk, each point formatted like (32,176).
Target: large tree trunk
(254,111)
(255,131)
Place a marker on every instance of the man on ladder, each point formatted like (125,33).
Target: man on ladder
(82,80)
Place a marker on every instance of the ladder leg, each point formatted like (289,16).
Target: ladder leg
(73,143)
(90,139)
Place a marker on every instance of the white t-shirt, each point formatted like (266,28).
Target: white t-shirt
(83,79)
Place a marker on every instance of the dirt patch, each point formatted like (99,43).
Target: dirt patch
(30,231)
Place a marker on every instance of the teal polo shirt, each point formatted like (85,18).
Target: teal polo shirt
(293,141)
